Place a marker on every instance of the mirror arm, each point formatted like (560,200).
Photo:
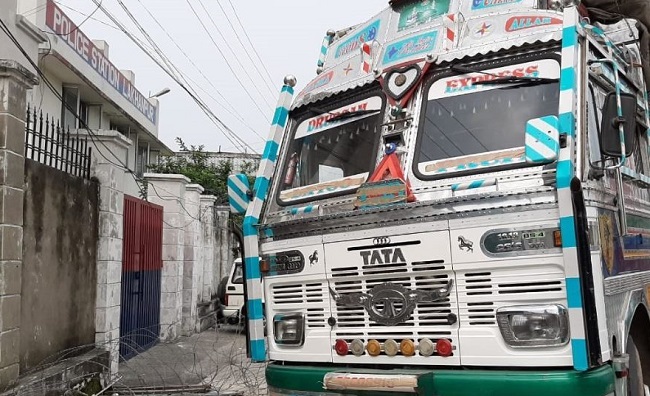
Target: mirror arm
(622,212)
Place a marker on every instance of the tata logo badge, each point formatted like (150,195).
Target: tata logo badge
(389,303)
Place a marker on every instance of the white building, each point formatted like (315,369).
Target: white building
(27,34)
(240,161)
(105,98)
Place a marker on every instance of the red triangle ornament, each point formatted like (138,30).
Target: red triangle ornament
(389,168)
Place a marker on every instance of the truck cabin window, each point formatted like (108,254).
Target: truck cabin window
(478,120)
(332,146)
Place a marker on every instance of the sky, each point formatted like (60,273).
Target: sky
(287,35)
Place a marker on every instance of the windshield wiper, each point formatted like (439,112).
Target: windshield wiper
(350,114)
(498,80)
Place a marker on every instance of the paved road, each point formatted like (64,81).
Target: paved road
(214,359)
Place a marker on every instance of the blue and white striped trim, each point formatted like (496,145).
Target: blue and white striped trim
(304,209)
(542,140)
(323,49)
(473,184)
(251,241)
(482,164)
(565,172)
(238,188)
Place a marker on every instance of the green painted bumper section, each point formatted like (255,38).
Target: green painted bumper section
(461,382)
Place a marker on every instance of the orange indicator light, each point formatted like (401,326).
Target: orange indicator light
(407,347)
(373,348)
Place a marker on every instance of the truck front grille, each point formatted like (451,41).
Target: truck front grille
(429,320)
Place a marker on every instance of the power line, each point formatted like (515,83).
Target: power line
(85,20)
(228,133)
(232,109)
(244,68)
(247,38)
(246,51)
(86,15)
(151,41)
(34,10)
(179,75)
(232,70)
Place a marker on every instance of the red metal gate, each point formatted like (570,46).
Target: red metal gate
(141,276)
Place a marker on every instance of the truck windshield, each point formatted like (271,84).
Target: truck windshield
(333,151)
(476,121)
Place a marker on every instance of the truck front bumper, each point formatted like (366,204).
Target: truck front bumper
(310,380)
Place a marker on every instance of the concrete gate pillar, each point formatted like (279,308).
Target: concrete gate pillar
(107,147)
(15,80)
(168,191)
(192,271)
(192,266)
(224,256)
(207,246)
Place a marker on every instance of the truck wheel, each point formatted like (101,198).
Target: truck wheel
(635,374)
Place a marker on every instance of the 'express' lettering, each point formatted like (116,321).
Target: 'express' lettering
(467,83)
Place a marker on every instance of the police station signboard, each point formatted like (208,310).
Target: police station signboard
(66,30)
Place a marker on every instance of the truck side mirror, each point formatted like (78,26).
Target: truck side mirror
(239,193)
(542,140)
(610,141)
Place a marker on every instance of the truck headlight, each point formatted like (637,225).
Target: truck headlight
(289,329)
(534,325)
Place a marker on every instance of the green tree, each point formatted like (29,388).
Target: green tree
(195,164)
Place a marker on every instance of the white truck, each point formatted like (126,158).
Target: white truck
(459,206)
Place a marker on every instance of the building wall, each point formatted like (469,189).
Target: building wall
(237,159)
(26,36)
(42,98)
(59,269)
